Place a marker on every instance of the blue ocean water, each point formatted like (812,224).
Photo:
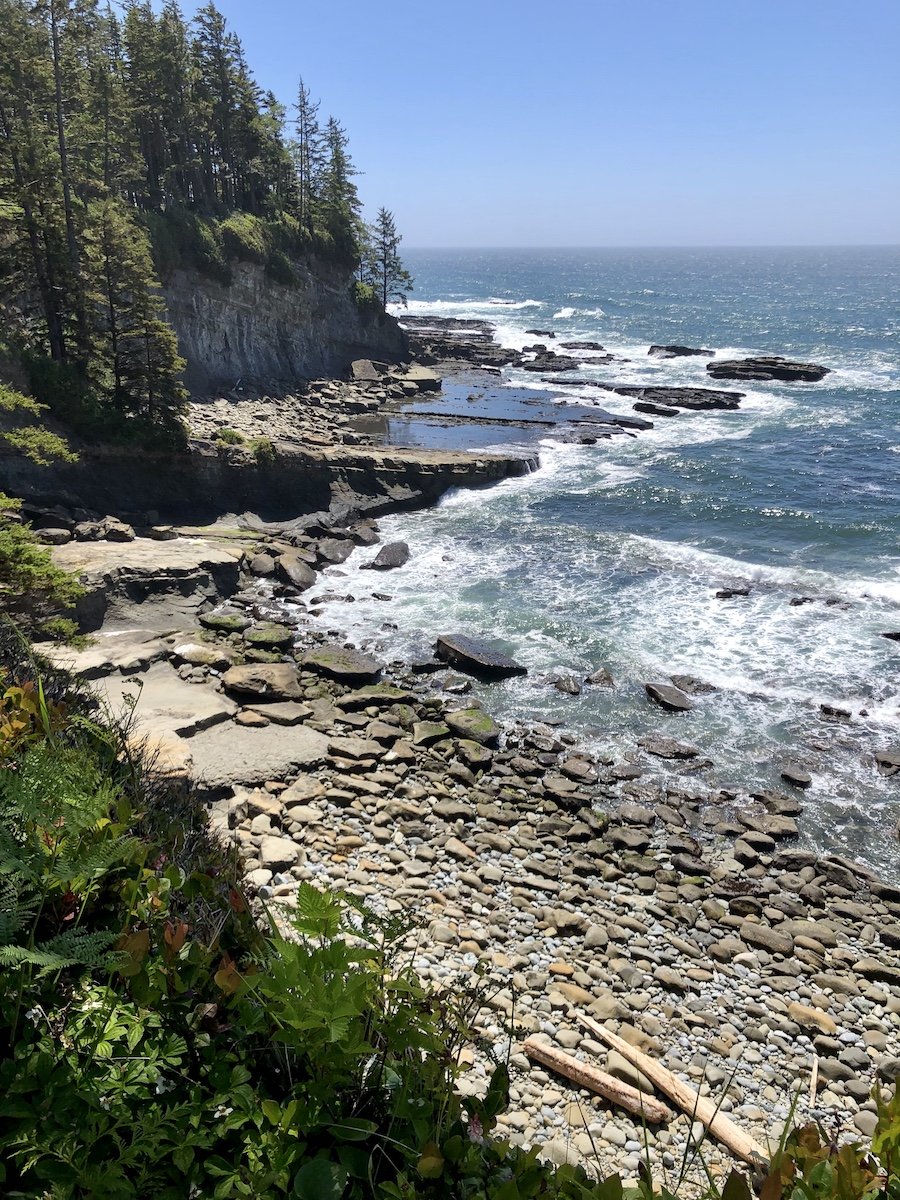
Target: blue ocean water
(612,554)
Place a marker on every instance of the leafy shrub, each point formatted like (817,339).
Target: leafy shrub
(245,237)
(364,297)
(228,437)
(34,441)
(279,269)
(32,588)
(263,451)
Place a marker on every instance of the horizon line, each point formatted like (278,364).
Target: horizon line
(675,246)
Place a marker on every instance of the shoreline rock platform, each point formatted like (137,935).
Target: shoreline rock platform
(684,918)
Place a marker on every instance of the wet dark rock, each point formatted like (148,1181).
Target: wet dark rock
(581,346)
(655,410)
(692,685)
(669,697)
(566,683)
(600,678)
(768,368)
(730,593)
(888,762)
(796,774)
(893,635)
(547,333)
(665,747)
(678,352)
(678,397)
(476,657)
(390,556)
(834,713)
(53,537)
(549,360)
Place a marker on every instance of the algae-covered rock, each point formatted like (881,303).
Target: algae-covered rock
(376,695)
(474,724)
(337,662)
(269,635)
(225,620)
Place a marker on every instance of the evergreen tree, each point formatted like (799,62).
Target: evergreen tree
(340,203)
(310,158)
(135,355)
(391,280)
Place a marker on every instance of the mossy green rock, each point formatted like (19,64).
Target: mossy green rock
(258,655)
(474,724)
(473,753)
(225,620)
(348,666)
(269,635)
(376,695)
(425,733)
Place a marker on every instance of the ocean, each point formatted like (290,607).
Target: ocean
(611,555)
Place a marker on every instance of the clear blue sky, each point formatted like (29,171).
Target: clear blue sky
(639,122)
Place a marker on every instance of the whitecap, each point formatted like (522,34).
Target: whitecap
(564,314)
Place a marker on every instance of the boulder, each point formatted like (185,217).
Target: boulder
(335,550)
(391,555)
(115,530)
(797,775)
(474,725)
(888,761)
(199,654)
(768,368)
(268,635)
(225,620)
(675,351)
(337,662)
(290,568)
(600,678)
(581,346)
(53,537)
(423,379)
(264,681)
(476,658)
(669,697)
(363,371)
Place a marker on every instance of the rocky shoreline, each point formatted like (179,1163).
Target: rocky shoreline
(685,919)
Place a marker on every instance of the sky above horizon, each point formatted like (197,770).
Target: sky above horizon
(637,123)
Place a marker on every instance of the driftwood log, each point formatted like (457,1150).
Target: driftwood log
(697,1107)
(621,1094)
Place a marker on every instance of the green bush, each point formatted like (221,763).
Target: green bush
(245,237)
(263,451)
(364,297)
(279,269)
(32,588)
(228,437)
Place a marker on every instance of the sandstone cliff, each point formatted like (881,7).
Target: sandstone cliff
(257,329)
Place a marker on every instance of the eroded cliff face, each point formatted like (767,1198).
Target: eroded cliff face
(257,329)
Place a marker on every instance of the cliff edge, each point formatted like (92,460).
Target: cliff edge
(256,328)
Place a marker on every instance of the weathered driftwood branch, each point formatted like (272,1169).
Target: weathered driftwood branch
(595,1080)
(697,1107)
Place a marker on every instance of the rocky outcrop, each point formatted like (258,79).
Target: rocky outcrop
(258,329)
(767,369)
(677,352)
(677,397)
(203,485)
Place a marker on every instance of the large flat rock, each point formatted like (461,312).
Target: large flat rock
(164,703)
(476,657)
(264,681)
(231,755)
(337,662)
(111,651)
(768,368)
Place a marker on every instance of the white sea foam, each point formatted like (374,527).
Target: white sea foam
(564,314)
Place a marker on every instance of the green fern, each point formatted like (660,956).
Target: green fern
(74,948)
